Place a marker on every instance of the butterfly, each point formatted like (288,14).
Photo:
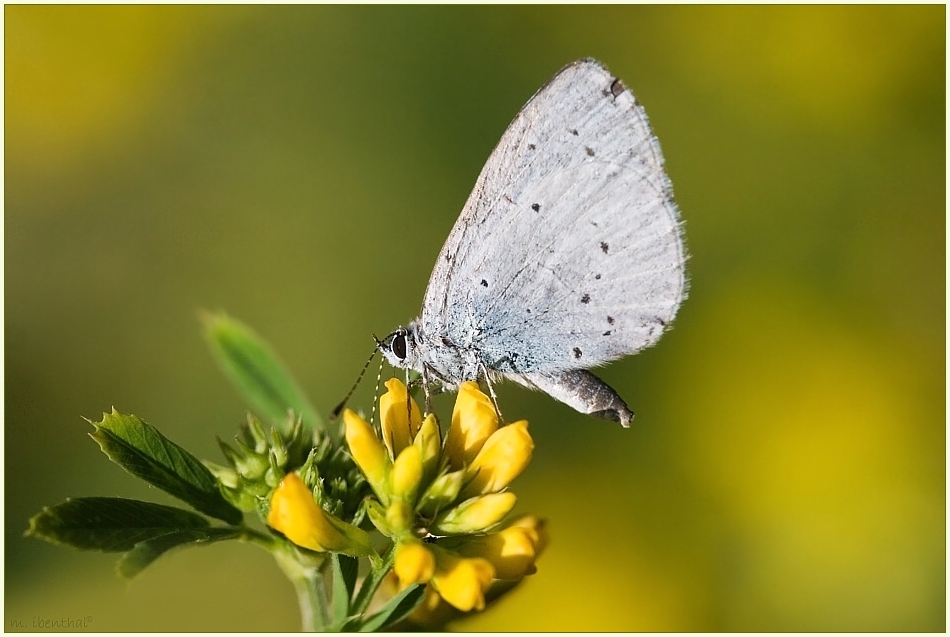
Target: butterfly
(567,255)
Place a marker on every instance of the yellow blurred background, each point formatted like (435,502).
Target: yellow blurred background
(300,167)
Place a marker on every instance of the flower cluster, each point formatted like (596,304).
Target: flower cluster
(443,502)
(263,465)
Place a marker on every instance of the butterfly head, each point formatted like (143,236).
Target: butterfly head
(400,348)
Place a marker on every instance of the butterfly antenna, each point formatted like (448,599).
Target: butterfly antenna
(339,408)
(379,378)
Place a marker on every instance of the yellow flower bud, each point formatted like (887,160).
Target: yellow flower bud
(407,474)
(429,443)
(462,582)
(295,513)
(537,528)
(399,516)
(511,551)
(473,421)
(377,515)
(503,456)
(443,491)
(475,515)
(397,426)
(368,453)
(414,564)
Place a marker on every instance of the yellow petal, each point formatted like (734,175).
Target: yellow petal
(462,582)
(415,564)
(295,513)
(502,458)
(368,453)
(475,515)
(399,429)
(399,517)
(537,527)
(511,551)
(429,443)
(407,474)
(473,421)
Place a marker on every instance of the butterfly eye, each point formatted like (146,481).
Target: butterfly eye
(399,346)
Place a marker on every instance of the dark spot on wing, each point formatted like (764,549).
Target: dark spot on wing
(531,146)
(536,207)
(585,299)
(484,283)
(607,333)
(617,87)
(590,151)
(610,320)
(604,246)
(661,321)
(597,276)
(577,352)
(574,132)
(510,200)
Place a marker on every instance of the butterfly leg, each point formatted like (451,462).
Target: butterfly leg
(426,380)
(491,391)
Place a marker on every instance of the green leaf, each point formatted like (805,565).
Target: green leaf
(345,569)
(110,524)
(259,375)
(144,553)
(396,610)
(141,450)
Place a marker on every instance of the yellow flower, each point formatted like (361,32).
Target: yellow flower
(443,491)
(415,564)
(407,474)
(473,421)
(399,517)
(461,581)
(295,513)
(475,515)
(503,456)
(429,443)
(451,495)
(368,453)
(537,529)
(512,551)
(399,428)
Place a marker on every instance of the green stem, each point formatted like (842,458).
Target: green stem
(307,579)
(375,577)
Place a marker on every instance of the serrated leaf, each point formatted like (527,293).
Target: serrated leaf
(345,569)
(397,609)
(141,450)
(110,524)
(144,553)
(258,373)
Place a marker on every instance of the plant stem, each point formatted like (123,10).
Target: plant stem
(372,581)
(307,579)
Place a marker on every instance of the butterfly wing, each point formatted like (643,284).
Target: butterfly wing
(568,253)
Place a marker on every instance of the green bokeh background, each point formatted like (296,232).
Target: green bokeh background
(299,167)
